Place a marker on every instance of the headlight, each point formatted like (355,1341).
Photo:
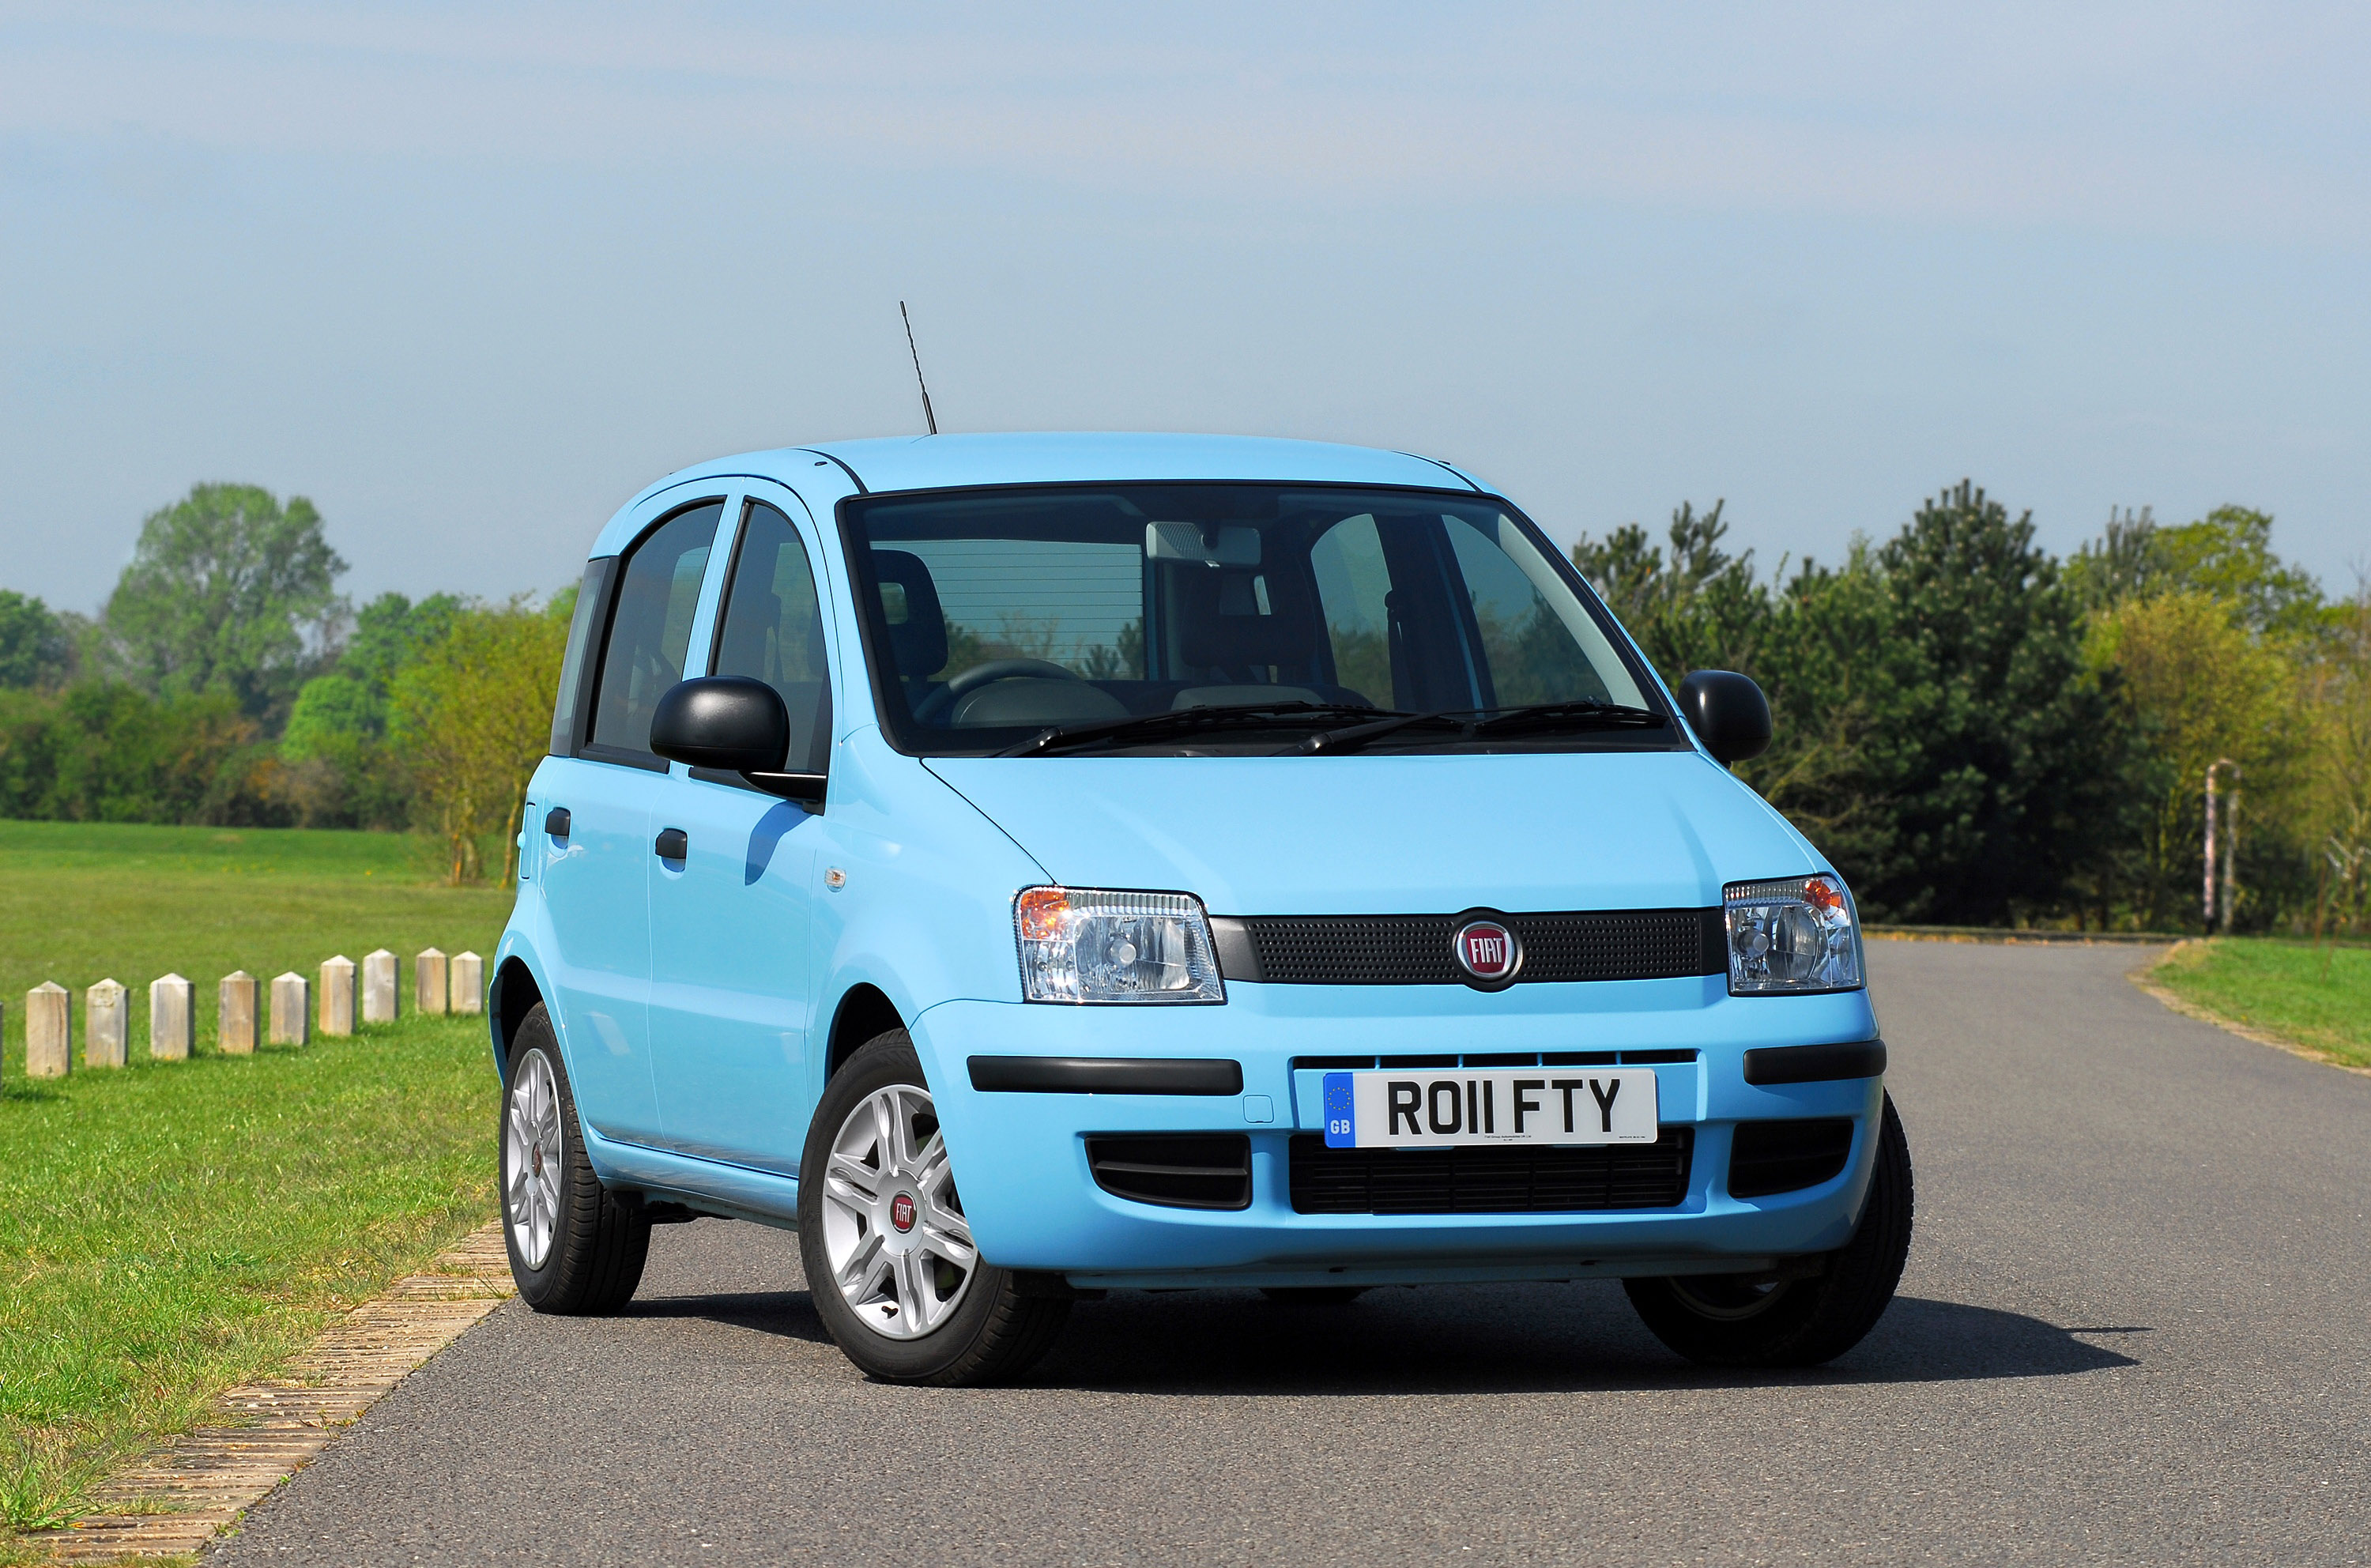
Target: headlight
(1085,945)
(1797,934)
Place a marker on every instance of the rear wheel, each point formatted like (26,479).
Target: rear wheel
(574,1248)
(887,1251)
(1754,1321)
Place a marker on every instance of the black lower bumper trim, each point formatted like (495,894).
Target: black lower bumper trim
(1815,1064)
(1105,1075)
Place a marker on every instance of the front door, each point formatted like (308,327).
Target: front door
(595,885)
(730,916)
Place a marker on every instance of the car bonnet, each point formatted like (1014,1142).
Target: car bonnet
(1390,835)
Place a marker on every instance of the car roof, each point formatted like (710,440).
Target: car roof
(944,462)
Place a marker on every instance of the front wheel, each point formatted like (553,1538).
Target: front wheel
(1744,1320)
(887,1251)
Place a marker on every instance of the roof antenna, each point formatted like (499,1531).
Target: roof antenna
(932,418)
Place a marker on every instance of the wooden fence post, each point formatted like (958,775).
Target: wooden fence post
(337,995)
(379,986)
(468,982)
(428,980)
(235,1033)
(107,1025)
(290,1009)
(49,1030)
(172,1019)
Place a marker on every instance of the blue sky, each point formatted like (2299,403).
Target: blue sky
(468,276)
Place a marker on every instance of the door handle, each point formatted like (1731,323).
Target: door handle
(556,821)
(673,844)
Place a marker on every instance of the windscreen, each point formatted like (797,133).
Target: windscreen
(995,615)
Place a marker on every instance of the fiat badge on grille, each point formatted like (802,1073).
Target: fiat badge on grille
(1487,950)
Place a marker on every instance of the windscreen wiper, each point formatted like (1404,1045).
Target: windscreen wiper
(1582,713)
(1358,737)
(1186,720)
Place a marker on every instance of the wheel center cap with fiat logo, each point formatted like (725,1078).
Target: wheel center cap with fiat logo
(901,1213)
(1487,950)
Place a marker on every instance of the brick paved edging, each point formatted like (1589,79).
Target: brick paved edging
(213,1474)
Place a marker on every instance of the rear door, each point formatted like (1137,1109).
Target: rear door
(595,872)
(731,919)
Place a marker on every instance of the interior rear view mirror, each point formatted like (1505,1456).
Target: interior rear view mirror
(1184,541)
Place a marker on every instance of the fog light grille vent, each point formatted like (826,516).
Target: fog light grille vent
(1786,1157)
(1202,1171)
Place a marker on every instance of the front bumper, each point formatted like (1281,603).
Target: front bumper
(1020,1161)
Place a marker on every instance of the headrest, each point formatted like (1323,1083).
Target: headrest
(1219,626)
(918,642)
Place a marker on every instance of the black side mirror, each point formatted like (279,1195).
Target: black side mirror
(734,724)
(1727,712)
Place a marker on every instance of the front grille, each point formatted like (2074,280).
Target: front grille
(1487,1179)
(1415,950)
(1203,1170)
(1786,1157)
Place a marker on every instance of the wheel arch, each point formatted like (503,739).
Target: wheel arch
(865,1010)
(509,999)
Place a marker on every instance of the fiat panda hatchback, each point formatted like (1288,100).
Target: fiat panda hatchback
(1029,867)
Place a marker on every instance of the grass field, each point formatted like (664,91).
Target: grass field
(2316,997)
(84,900)
(172,1228)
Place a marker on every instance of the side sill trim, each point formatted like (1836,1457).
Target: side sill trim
(1770,1065)
(1105,1075)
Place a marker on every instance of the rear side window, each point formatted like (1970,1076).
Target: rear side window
(650,632)
(772,628)
(567,714)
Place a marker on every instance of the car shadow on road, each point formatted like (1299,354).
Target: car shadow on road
(1509,1338)
(790,1314)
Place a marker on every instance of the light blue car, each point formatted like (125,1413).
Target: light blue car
(1031,866)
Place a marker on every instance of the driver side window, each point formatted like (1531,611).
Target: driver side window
(772,628)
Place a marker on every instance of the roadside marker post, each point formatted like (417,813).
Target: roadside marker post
(429,980)
(337,996)
(172,1019)
(235,1033)
(107,1025)
(468,982)
(290,1008)
(49,1030)
(379,988)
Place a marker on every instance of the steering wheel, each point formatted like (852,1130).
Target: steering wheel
(994,669)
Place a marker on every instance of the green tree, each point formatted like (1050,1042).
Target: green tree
(2227,555)
(227,591)
(2340,688)
(2203,688)
(34,647)
(1997,751)
(1697,607)
(471,718)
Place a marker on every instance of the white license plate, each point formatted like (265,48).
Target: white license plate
(1442,1107)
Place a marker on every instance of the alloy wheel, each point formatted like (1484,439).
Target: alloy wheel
(893,1227)
(531,1157)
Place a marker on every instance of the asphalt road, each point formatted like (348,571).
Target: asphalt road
(2134,1329)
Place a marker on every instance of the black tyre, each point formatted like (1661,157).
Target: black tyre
(888,1254)
(574,1248)
(1744,1320)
